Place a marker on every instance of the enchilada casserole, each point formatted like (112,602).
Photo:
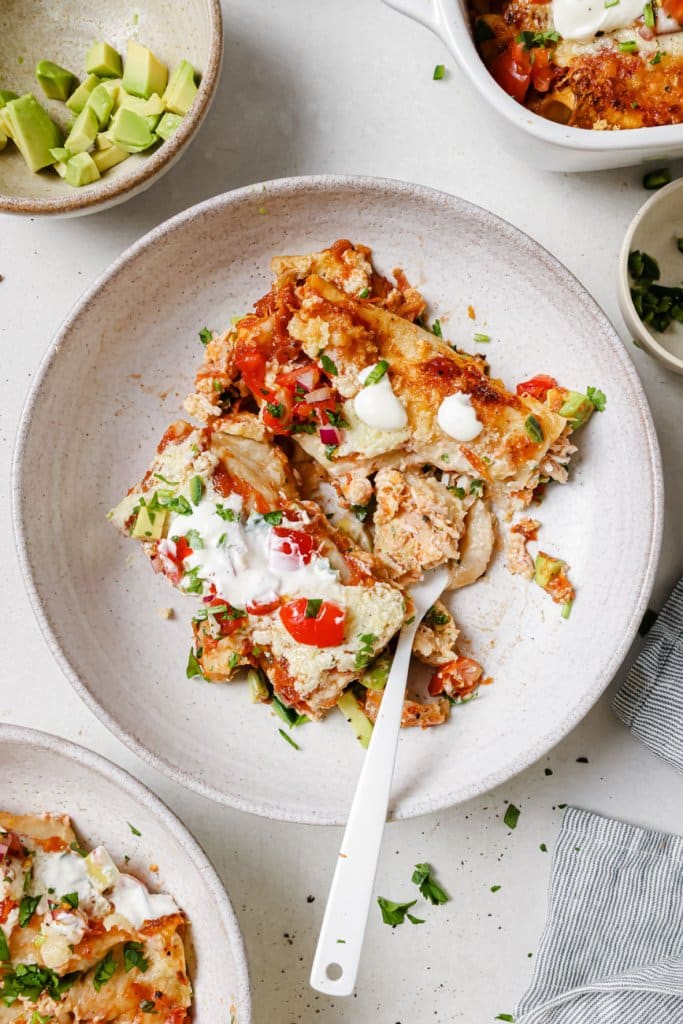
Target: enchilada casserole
(344,449)
(80,940)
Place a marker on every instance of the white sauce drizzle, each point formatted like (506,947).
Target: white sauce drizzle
(582,19)
(458,418)
(246,560)
(377,405)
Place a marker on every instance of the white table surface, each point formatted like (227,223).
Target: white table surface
(346,86)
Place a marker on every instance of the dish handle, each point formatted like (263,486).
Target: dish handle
(426,12)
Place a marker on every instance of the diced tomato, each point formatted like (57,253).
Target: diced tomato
(229,619)
(538,387)
(324,629)
(458,678)
(263,608)
(294,542)
(172,555)
(512,70)
(251,363)
(674,8)
(541,69)
(277,411)
(6,908)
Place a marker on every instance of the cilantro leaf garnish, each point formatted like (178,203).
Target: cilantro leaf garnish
(193,668)
(273,518)
(395,913)
(335,418)
(431,890)
(104,971)
(225,513)
(598,398)
(71,899)
(205,335)
(194,539)
(133,957)
(436,329)
(29,981)
(27,909)
(134,830)
(436,618)
(328,365)
(276,409)
(313,606)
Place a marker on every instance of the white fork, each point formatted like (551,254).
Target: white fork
(340,944)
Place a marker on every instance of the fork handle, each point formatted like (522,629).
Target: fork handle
(337,956)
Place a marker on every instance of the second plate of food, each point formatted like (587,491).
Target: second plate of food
(351,431)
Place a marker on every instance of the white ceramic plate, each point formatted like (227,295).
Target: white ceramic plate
(115,377)
(39,772)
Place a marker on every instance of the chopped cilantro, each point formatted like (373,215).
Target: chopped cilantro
(78,849)
(477,487)
(657,57)
(436,618)
(104,971)
(289,739)
(205,335)
(289,715)
(133,957)
(29,981)
(533,429)
(395,913)
(303,428)
(431,890)
(328,365)
(27,909)
(133,829)
(376,373)
(71,899)
(330,449)
(276,409)
(313,606)
(361,512)
(193,668)
(147,1006)
(439,72)
(598,398)
(335,418)
(364,294)
(482,339)
(543,848)
(4,948)
(531,40)
(436,329)
(273,518)
(178,504)
(225,513)
(194,539)
(192,583)
(512,814)
(495,888)
(459,492)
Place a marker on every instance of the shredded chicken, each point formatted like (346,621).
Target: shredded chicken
(436,636)
(518,560)
(432,713)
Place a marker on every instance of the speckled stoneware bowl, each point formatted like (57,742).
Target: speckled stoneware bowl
(116,375)
(62,32)
(39,772)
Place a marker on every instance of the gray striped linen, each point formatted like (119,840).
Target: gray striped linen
(651,700)
(612,949)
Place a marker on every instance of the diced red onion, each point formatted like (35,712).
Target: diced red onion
(645,32)
(306,379)
(330,435)
(319,395)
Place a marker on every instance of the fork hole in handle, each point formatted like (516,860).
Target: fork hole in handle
(334,972)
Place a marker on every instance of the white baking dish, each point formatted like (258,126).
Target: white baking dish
(526,135)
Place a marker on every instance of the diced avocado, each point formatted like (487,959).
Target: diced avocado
(103,60)
(357,719)
(546,569)
(258,687)
(3,140)
(130,131)
(145,529)
(577,408)
(6,95)
(112,85)
(375,677)
(33,131)
(181,89)
(81,170)
(101,101)
(168,126)
(78,99)
(151,109)
(56,82)
(60,168)
(109,155)
(61,154)
(143,73)
(5,124)
(83,132)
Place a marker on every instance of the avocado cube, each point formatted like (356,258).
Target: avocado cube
(61,154)
(104,61)
(181,89)
(3,140)
(78,99)
(33,131)
(145,529)
(83,131)
(151,109)
(56,82)
(81,170)
(168,126)
(101,101)
(106,154)
(546,568)
(5,124)
(6,95)
(130,131)
(60,168)
(144,73)
(577,408)
(356,717)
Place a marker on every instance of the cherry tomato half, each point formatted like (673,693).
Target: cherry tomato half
(322,627)
(538,387)
(512,70)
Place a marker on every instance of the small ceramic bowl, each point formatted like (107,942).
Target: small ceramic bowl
(41,772)
(655,230)
(43,30)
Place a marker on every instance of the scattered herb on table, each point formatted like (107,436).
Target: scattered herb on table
(431,890)
(395,913)
(511,816)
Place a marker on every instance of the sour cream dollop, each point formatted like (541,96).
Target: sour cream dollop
(458,418)
(582,19)
(377,405)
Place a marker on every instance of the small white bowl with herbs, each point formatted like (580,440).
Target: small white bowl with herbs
(94,107)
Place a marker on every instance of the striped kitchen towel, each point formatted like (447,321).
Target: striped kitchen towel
(612,949)
(651,700)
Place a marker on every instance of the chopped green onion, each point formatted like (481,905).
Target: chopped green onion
(481,339)
(628,46)
(205,335)
(649,15)
(533,429)
(567,609)
(657,57)
(611,3)
(196,489)
(364,294)
(289,739)
(439,72)
(376,373)
(656,179)
(495,888)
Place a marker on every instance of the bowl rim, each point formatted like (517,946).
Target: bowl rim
(279,188)
(116,190)
(650,342)
(447,19)
(21,735)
